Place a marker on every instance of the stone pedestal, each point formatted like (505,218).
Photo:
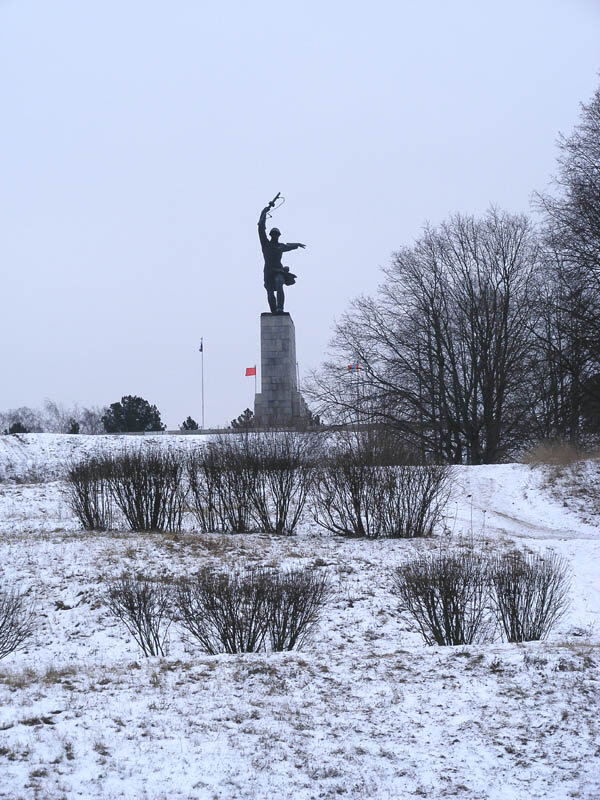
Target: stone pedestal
(279,403)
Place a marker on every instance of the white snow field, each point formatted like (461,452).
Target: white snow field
(365,710)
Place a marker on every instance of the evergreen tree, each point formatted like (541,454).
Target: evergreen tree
(132,414)
(244,421)
(17,427)
(189,424)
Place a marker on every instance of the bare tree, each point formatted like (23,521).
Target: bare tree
(55,418)
(28,418)
(90,419)
(573,211)
(444,349)
(572,239)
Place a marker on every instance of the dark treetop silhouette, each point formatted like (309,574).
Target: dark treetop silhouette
(276,276)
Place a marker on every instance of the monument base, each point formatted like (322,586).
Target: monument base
(279,403)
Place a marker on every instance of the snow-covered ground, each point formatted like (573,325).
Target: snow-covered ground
(364,710)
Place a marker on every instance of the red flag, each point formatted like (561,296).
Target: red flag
(353,367)
(250,371)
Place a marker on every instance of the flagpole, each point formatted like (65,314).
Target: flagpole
(202,351)
(357,396)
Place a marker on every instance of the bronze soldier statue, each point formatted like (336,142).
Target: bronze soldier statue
(276,276)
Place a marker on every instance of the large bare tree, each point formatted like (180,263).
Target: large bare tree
(572,239)
(445,346)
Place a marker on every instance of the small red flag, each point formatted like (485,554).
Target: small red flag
(250,371)
(353,367)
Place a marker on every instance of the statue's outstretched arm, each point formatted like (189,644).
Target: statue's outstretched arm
(291,246)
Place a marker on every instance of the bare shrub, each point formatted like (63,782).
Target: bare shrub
(529,593)
(143,606)
(88,495)
(204,476)
(222,480)
(238,612)
(284,469)
(354,497)
(444,597)
(17,621)
(416,501)
(226,612)
(255,481)
(296,598)
(348,497)
(149,489)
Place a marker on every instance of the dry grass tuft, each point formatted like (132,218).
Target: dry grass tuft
(54,675)
(554,453)
(18,679)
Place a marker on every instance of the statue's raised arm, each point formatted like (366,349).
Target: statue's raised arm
(262,222)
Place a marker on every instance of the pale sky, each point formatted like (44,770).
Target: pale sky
(140,140)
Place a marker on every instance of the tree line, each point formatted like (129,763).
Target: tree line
(131,414)
(485,333)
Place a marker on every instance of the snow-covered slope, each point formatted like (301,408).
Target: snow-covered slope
(365,710)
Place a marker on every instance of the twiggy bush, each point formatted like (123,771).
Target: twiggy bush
(296,599)
(416,500)
(354,498)
(226,612)
(348,497)
(255,481)
(240,612)
(204,499)
(87,493)
(17,621)
(529,594)
(284,476)
(444,596)
(148,487)
(142,605)
(222,480)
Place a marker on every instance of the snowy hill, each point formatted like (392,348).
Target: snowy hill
(365,709)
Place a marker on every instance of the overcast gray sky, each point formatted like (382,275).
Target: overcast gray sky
(140,140)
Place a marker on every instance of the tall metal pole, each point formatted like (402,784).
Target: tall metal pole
(202,352)
(357,396)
